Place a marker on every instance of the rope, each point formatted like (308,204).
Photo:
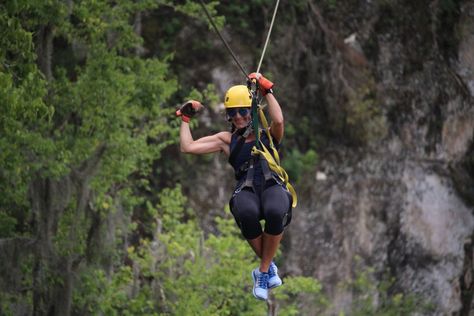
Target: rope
(222,39)
(268,36)
(259,148)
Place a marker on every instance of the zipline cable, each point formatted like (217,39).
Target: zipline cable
(227,45)
(222,39)
(268,36)
(273,161)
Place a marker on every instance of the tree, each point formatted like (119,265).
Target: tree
(82,118)
(81,114)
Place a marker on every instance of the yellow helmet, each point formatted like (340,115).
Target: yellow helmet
(238,97)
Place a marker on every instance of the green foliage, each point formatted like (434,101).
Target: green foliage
(106,108)
(300,287)
(194,9)
(7,225)
(6,301)
(364,120)
(71,234)
(22,111)
(96,294)
(206,96)
(297,163)
(18,273)
(234,11)
(332,4)
(99,121)
(199,275)
(116,100)
(180,271)
(380,298)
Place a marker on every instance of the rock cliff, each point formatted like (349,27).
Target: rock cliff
(388,89)
(403,203)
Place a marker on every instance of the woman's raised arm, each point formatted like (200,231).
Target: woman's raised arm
(203,145)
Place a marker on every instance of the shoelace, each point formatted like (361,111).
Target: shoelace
(262,280)
(271,271)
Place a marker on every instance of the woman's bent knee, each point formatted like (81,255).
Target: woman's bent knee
(245,206)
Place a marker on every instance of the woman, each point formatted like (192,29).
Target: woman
(257,196)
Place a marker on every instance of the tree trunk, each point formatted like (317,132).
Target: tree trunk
(467,283)
(44,50)
(48,198)
(53,273)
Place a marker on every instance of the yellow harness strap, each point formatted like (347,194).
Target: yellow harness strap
(273,160)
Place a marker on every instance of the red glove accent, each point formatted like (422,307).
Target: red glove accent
(185,118)
(188,110)
(263,83)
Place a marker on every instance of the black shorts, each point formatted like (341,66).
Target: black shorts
(273,205)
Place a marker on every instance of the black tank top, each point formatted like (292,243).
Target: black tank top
(243,157)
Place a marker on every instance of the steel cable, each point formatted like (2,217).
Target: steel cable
(268,36)
(223,40)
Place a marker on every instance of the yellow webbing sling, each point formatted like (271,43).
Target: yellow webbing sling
(273,160)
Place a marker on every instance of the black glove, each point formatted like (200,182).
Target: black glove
(188,110)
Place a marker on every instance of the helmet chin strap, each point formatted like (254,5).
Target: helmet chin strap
(248,129)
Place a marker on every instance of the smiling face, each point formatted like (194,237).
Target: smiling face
(238,102)
(240,116)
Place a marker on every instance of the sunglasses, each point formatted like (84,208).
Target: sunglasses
(242,111)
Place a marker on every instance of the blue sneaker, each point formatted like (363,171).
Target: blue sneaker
(273,278)
(260,284)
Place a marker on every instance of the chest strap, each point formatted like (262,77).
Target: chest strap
(242,136)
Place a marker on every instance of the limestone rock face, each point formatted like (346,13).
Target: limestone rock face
(398,215)
(404,203)
(385,92)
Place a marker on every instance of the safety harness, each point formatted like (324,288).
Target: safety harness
(270,160)
(268,157)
